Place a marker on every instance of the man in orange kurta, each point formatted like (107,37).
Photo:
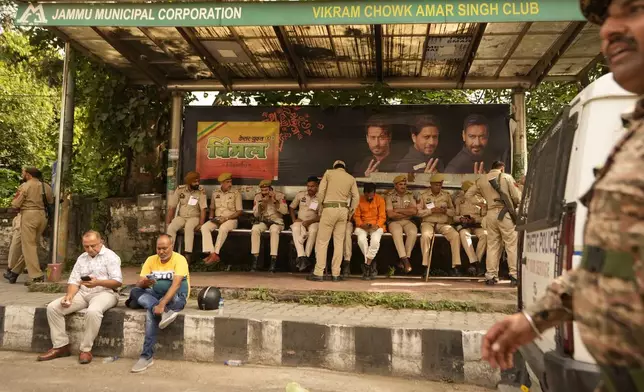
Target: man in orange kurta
(370,220)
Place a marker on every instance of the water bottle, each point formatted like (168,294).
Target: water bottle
(110,359)
(233,362)
(221,306)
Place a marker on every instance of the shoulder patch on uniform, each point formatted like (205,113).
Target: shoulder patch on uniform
(182,196)
(182,187)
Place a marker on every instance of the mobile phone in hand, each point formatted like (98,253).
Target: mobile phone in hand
(86,278)
(149,277)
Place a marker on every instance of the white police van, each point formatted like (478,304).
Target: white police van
(551,222)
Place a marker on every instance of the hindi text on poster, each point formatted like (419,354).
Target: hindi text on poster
(245,149)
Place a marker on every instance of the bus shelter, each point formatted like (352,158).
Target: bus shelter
(320,45)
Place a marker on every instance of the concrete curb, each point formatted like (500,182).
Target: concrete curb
(434,354)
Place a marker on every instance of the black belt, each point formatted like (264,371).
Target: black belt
(610,263)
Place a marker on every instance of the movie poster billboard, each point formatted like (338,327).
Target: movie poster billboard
(288,144)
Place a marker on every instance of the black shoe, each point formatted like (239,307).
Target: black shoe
(455,272)
(315,278)
(12,277)
(337,279)
(306,263)
(273,263)
(366,272)
(253,265)
(374,269)
(491,282)
(513,282)
(298,262)
(346,268)
(473,269)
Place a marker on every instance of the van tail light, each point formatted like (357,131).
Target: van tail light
(567,246)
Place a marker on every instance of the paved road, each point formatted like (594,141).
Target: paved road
(20,373)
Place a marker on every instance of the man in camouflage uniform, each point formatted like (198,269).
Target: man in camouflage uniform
(468,219)
(190,198)
(225,208)
(436,211)
(401,207)
(605,294)
(269,208)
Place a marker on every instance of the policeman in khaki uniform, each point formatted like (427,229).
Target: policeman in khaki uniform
(348,248)
(305,225)
(468,220)
(269,208)
(401,206)
(605,293)
(191,201)
(501,230)
(33,221)
(225,208)
(436,211)
(339,196)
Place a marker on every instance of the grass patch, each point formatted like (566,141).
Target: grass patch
(335,298)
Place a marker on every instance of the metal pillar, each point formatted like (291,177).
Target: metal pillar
(175,141)
(520,140)
(65,135)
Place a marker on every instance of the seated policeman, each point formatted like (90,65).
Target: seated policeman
(162,289)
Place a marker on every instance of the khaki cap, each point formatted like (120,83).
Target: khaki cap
(437,178)
(224,176)
(400,178)
(264,183)
(466,185)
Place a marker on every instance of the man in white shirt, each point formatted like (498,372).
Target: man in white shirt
(92,284)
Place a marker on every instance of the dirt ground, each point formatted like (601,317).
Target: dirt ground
(21,373)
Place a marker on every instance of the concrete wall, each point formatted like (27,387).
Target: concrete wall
(6,218)
(123,235)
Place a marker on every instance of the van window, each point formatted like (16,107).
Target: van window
(547,173)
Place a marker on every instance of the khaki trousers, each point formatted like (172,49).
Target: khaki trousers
(499,234)
(95,303)
(466,241)
(304,237)
(32,224)
(222,234)
(15,256)
(188,225)
(426,235)
(332,222)
(256,236)
(411,231)
(348,242)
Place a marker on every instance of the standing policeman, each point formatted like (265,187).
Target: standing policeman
(225,208)
(502,196)
(30,200)
(190,198)
(336,189)
(605,294)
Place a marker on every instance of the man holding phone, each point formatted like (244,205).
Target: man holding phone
(91,285)
(269,208)
(370,218)
(163,289)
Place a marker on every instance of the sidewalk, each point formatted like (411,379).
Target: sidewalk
(427,344)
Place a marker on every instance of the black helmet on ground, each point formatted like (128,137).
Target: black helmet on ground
(208,298)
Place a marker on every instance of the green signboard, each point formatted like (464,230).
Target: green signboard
(285,13)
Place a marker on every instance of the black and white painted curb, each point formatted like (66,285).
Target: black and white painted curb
(435,354)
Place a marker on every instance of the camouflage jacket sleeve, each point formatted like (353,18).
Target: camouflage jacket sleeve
(555,306)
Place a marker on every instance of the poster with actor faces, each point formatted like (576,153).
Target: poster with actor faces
(305,141)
